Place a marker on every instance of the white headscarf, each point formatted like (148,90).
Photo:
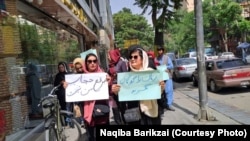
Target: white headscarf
(148,107)
(144,62)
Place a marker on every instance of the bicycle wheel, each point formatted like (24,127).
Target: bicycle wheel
(50,134)
(74,133)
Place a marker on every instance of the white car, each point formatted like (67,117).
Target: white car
(226,55)
(189,55)
(210,56)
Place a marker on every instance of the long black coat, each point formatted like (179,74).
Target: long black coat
(60,76)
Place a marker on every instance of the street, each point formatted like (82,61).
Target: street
(234,97)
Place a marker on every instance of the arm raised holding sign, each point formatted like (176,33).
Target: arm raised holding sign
(91,82)
(138,63)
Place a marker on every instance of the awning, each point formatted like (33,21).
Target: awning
(85,30)
(58,11)
(244,45)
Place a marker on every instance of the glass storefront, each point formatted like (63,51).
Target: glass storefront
(26,49)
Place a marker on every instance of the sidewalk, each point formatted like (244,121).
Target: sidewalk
(186,111)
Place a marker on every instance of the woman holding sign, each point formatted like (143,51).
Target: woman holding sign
(91,65)
(138,61)
(96,112)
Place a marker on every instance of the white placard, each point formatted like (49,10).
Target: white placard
(85,87)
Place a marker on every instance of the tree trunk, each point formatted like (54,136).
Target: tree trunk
(225,42)
(158,41)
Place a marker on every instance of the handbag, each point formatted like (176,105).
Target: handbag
(77,111)
(101,110)
(132,115)
(162,102)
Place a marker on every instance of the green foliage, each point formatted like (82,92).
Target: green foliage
(181,33)
(244,25)
(162,12)
(223,15)
(44,46)
(132,26)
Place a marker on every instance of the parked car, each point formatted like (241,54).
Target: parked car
(247,59)
(225,72)
(210,56)
(44,73)
(171,55)
(184,68)
(189,55)
(226,55)
(20,69)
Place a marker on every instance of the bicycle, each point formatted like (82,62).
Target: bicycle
(55,118)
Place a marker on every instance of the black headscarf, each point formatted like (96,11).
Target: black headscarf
(60,76)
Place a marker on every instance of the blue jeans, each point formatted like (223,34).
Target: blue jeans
(169,91)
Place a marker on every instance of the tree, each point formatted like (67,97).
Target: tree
(223,16)
(162,12)
(181,33)
(129,26)
(37,42)
(244,27)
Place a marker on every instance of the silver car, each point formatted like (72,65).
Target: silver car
(183,68)
(226,55)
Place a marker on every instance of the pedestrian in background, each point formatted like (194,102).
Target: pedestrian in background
(163,59)
(153,63)
(59,80)
(78,106)
(78,65)
(34,90)
(116,65)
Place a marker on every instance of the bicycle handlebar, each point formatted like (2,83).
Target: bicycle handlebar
(54,89)
(51,94)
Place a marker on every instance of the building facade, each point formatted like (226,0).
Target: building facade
(89,21)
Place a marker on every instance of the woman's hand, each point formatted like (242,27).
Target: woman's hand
(162,84)
(167,71)
(115,88)
(65,84)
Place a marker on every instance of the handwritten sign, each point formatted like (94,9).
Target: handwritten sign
(85,53)
(84,87)
(139,85)
(162,69)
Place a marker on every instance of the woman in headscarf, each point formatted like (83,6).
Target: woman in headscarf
(116,65)
(34,90)
(78,65)
(59,79)
(91,65)
(138,61)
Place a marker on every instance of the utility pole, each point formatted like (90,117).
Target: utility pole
(203,113)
